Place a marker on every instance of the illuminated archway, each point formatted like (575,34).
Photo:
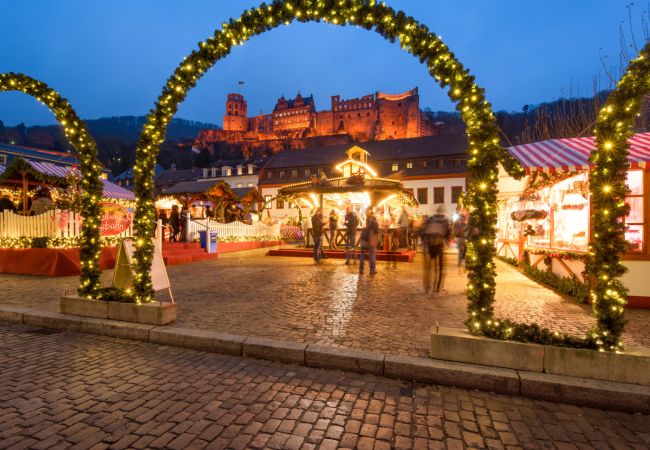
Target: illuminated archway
(484,149)
(78,136)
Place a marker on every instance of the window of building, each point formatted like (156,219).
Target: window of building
(394,167)
(240,185)
(424,164)
(307,172)
(438,195)
(634,230)
(423,197)
(250,169)
(282,173)
(3,159)
(409,165)
(269,174)
(240,170)
(250,184)
(279,203)
(294,173)
(455,193)
(267,201)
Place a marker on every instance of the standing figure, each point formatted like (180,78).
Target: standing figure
(6,204)
(317,233)
(460,236)
(403,223)
(369,237)
(174,223)
(164,220)
(434,233)
(351,223)
(334,224)
(42,203)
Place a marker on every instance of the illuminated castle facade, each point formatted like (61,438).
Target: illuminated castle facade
(294,122)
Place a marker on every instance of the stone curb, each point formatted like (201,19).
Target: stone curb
(542,386)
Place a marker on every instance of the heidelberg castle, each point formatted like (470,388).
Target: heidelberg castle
(296,124)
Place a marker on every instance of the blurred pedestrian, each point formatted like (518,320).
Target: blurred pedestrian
(369,237)
(42,203)
(317,233)
(434,232)
(460,237)
(174,223)
(351,224)
(403,223)
(333,224)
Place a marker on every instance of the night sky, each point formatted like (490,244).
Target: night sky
(112,57)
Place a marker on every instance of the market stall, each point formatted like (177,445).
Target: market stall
(545,220)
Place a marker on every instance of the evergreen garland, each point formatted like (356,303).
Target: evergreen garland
(78,136)
(614,125)
(484,148)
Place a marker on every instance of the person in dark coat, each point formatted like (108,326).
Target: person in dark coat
(317,233)
(334,224)
(174,223)
(351,224)
(369,240)
(6,204)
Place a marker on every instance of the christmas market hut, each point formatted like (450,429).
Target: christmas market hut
(545,218)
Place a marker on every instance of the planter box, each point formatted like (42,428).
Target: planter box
(154,313)
(454,344)
(459,345)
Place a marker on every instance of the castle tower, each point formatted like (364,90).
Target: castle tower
(236,117)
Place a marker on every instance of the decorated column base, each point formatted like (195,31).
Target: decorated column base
(154,313)
(453,344)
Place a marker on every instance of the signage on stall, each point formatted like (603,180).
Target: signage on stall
(116,219)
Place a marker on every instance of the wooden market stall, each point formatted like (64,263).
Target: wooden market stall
(546,217)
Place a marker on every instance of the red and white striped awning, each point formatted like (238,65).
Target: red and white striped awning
(111,190)
(572,154)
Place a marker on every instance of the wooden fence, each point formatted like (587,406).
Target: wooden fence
(55,224)
(232,229)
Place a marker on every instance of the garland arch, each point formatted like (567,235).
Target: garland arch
(79,137)
(485,151)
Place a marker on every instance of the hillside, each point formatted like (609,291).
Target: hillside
(116,139)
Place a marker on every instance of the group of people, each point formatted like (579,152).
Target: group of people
(434,234)
(41,203)
(173,223)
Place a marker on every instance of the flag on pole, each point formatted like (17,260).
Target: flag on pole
(241,83)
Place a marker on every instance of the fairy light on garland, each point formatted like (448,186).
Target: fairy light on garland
(78,136)
(483,137)
(614,125)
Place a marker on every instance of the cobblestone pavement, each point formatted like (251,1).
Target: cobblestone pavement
(61,390)
(287,298)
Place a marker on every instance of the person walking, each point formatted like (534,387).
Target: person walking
(460,236)
(434,232)
(317,233)
(351,223)
(334,224)
(403,224)
(174,223)
(369,237)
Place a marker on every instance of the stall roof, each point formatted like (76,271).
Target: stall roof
(191,187)
(110,190)
(573,153)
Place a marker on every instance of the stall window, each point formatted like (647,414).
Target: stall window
(455,193)
(279,203)
(423,197)
(438,195)
(634,221)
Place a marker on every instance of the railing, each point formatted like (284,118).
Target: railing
(232,229)
(55,224)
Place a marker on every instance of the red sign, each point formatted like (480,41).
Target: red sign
(115,219)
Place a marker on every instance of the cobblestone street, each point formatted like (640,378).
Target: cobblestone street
(60,390)
(248,293)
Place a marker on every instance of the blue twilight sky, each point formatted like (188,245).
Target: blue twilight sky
(111,57)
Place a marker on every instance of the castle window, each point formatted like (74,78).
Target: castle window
(358,114)
(394,167)
(409,165)
(368,114)
(307,172)
(399,104)
(294,173)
